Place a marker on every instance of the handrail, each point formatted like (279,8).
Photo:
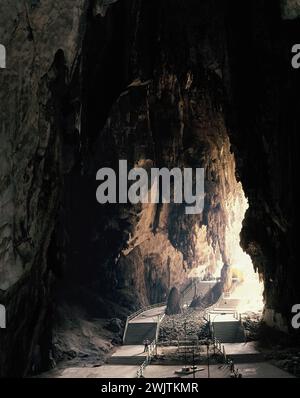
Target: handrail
(152,349)
(140,311)
(143,309)
(150,354)
(218,344)
(125,330)
(220,347)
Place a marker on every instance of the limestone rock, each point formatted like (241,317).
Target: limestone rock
(173,303)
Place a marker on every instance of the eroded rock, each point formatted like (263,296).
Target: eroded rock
(173,303)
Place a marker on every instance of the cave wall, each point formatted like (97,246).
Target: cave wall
(167,82)
(167,123)
(264,124)
(167,105)
(186,84)
(43,45)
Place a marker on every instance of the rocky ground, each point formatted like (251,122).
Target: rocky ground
(177,331)
(252,323)
(188,356)
(79,341)
(190,322)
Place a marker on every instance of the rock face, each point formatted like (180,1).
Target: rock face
(264,134)
(164,84)
(43,44)
(290,9)
(173,303)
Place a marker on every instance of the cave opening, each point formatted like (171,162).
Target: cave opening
(249,288)
(160,84)
(143,109)
(226,260)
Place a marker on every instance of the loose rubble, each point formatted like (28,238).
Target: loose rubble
(190,322)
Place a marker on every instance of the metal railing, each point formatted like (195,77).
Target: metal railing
(215,312)
(152,350)
(140,311)
(218,347)
(147,308)
(217,344)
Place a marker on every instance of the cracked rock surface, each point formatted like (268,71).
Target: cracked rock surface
(162,83)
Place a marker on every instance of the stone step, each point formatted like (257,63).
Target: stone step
(123,360)
(246,358)
(228,332)
(225,371)
(138,332)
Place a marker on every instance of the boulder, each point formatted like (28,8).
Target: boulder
(173,303)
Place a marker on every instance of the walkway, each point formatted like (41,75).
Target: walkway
(253,370)
(225,323)
(243,352)
(149,316)
(128,355)
(196,288)
(227,328)
(143,325)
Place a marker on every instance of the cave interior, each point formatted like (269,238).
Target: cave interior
(170,83)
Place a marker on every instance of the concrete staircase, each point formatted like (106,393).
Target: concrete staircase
(140,326)
(228,331)
(137,332)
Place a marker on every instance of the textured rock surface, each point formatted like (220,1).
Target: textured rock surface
(265,128)
(43,45)
(189,323)
(290,9)
(166,123)
(30,168)
(173,303)
(165,83)
(153,110)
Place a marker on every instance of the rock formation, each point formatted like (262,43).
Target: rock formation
(173,303)
(162,83)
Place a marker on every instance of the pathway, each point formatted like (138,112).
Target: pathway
(140,327)
(196,288)
(225,323)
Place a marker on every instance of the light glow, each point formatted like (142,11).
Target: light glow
(250,289)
